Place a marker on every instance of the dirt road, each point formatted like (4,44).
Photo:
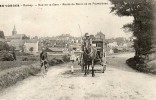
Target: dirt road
(119,82)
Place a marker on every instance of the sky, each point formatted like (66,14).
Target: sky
(57,20)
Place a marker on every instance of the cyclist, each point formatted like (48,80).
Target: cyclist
(44,58)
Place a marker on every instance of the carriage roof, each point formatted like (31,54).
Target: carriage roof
(98,40)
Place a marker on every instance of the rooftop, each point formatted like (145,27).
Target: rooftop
(31,41)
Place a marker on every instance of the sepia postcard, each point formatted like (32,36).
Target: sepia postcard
(77,50)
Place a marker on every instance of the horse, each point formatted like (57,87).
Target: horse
(89,56)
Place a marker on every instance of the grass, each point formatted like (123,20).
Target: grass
(11,76)
(13,71)
(12,64)
(30,60)
(149,67)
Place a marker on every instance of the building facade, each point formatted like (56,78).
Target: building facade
(100,35)
(31,44)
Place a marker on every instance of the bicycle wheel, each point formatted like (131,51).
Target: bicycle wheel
(43,71)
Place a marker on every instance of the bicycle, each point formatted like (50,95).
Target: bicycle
(43,67)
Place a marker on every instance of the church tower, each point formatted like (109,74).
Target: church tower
(14,32)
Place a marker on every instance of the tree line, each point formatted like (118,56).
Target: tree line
(142,27)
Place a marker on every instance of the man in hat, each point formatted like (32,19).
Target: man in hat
(72,59)
(85,39)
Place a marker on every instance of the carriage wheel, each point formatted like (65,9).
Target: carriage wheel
(104,62)
(82,65)
(104,68)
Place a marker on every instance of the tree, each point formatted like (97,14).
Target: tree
(142,27)
(12,48)
(2,35)
(25,37)
(120,40)
(4,46)
(31,49)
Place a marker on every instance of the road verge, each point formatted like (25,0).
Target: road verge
(149,67)
(13,75)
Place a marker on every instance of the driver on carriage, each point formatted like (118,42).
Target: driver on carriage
(86,38)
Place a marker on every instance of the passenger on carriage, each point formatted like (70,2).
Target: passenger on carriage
(72,59)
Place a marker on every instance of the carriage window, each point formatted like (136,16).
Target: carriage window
(99,44)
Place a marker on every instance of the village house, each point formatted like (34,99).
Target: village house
(112,44)
(33,43)
(100,35)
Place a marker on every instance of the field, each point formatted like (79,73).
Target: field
(20,61)
(12,64)
(14,71)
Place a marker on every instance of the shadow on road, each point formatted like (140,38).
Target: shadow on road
(80,73)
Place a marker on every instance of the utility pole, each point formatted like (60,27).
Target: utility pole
(80,31)
(81,34)
(81,57)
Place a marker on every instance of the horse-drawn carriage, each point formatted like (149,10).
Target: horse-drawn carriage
(94,53)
